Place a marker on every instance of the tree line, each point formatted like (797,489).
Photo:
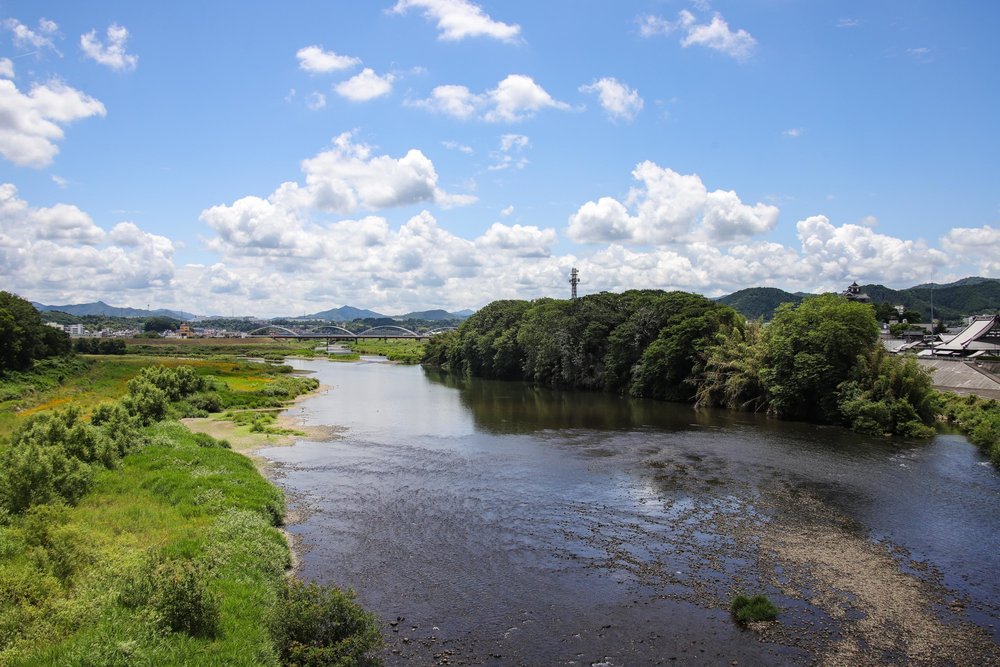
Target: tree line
(819,360)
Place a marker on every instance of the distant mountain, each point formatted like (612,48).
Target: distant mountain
(342,314)
(969,296)
(755,302)
(103,309)
(434,315)
(464,314)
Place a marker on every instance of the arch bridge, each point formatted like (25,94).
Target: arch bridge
(332,332)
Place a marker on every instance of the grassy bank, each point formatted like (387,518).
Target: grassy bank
(399,350)
(159,545)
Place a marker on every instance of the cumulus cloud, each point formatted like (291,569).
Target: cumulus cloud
(980,245)
(670,208)
(6,68)
(59,250)
(715,34)
(31,124)
(343,179)
(520,241)
(314,59)
(458,19)
(112,52)
(365,86)
(618,100)
(836,252)
(455,146)
(516,98)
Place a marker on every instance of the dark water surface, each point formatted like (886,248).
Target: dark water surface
(493,523)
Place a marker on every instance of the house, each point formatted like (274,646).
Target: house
(982,336)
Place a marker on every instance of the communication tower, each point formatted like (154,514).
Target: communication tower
(574,280)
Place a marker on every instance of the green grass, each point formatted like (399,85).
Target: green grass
(173,556)
(978,418)
(175,497)
(402,351)
(751,609)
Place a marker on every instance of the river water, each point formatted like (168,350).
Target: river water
(494,523)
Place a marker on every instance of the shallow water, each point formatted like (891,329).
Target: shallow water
(494,523)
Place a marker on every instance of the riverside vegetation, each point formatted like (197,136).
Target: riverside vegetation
(127,539)
(818,360)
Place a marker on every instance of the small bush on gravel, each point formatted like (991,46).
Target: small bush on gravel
(757,608)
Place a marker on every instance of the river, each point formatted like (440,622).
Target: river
(494,523)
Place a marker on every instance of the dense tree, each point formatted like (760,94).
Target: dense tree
(23,335)
(160,324)
(888,394)
(602,341)
(810,349)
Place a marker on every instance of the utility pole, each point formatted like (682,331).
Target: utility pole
(574,280)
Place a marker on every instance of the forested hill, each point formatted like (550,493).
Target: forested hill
(952,301)
(756,302)
(970,296)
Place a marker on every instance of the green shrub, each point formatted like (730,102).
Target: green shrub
(757,608)
(32,474)
(316,626)
(145,401)
(177,591)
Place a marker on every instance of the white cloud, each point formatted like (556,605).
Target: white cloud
(507,211)
(453,100)
(59,251)
(517,97)
(6,68)
(650,26)
(793,132)
(314,59)
(670,208)
(112,53)
(715,34)
(980,245)
(458,19)
(848,23)
(344,179)
(365,86)
(510,153)
(455,146)
(618,100)
(526,241)
(853,250)
(30,125)
(26,38)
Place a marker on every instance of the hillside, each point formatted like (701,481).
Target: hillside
(342,314)
(970,296)
(103,309)
(755,302)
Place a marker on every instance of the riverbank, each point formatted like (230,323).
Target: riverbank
(172,554)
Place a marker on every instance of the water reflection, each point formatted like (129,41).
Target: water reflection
(479,507)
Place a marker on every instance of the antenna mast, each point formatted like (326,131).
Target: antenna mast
(574,280)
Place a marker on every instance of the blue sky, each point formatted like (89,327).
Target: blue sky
(399,155)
